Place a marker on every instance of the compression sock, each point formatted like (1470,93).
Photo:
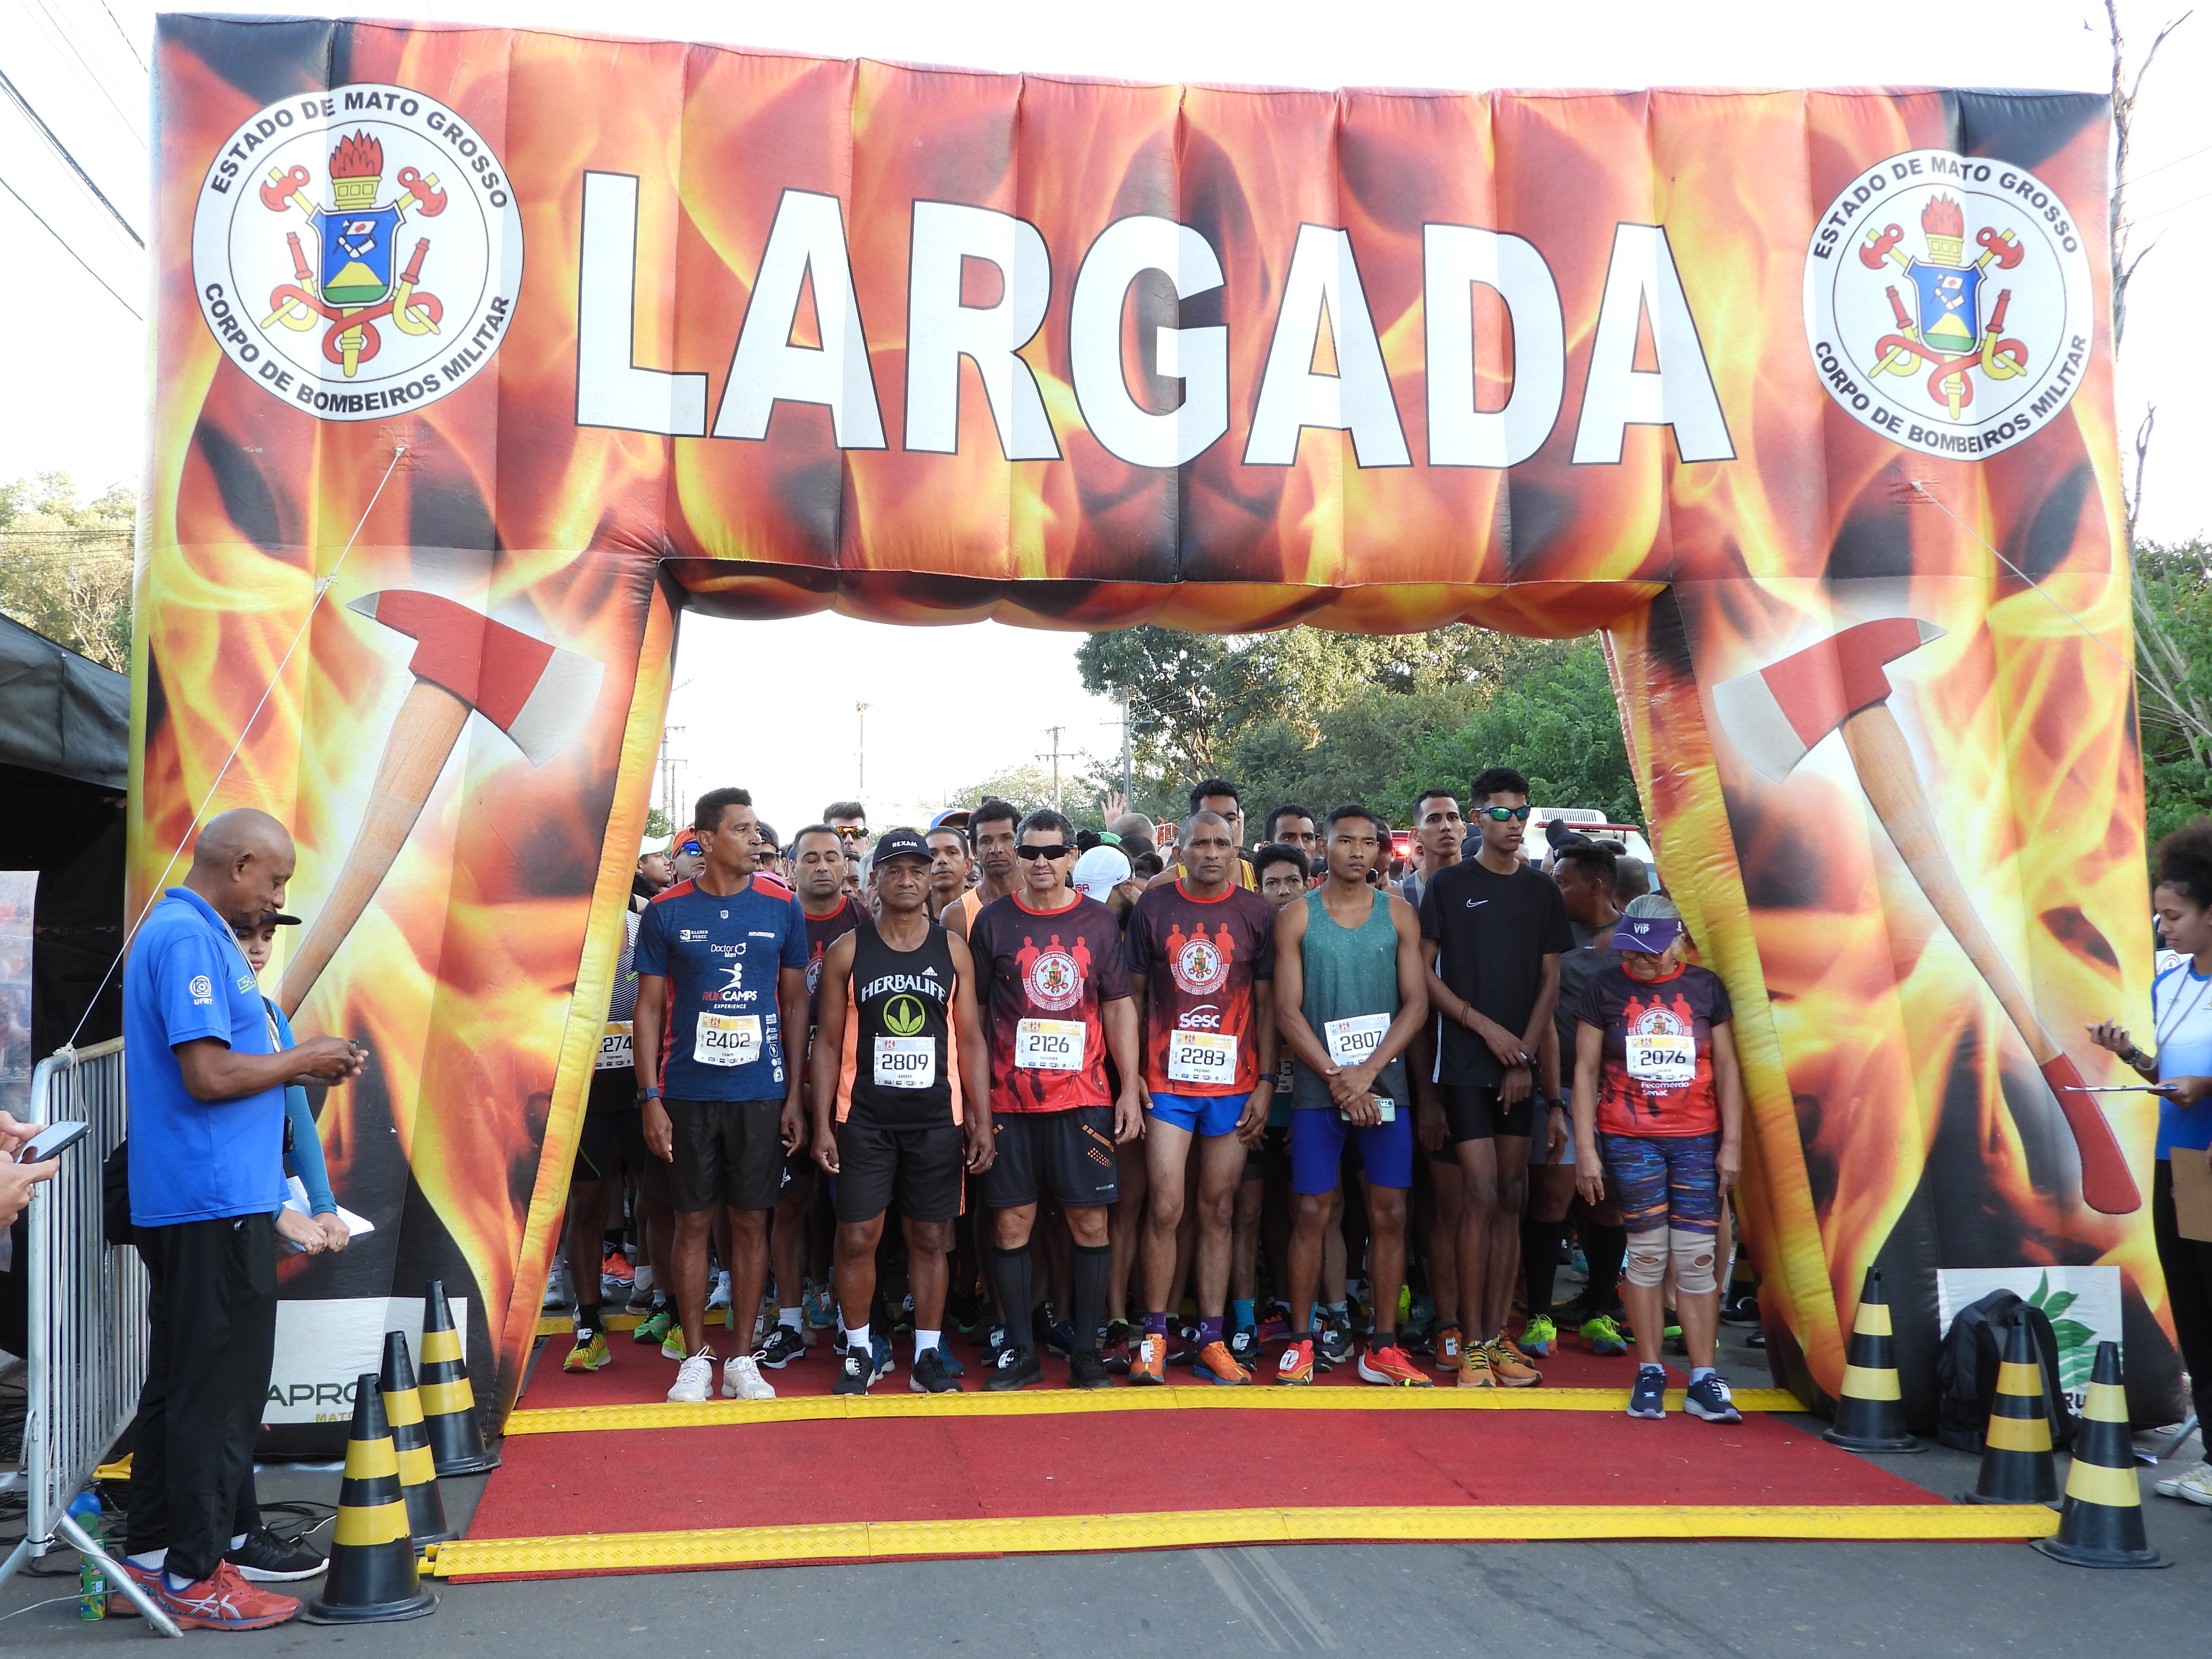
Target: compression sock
(1012,1270)
(1093,1265)
(1241,1317)
(1606,1249)
(1540,1263)
(1209,1329)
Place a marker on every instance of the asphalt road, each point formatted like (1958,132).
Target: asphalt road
(1619,1601)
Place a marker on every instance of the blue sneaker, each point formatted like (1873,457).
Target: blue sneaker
(1061,1341)
(1708,1398)
(881,1349)
(994,1344)
(1649,1397)
(953,1368)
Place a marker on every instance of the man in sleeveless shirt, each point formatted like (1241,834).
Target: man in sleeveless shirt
(991,833)
(1201,959)
(1349,996)
(902,1102)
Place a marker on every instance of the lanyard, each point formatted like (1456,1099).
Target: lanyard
(2166,1034)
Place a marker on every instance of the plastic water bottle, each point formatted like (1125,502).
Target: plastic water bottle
(91,1578)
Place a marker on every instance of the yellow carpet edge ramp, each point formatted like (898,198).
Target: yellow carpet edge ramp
(866,1540)
(1055,1402)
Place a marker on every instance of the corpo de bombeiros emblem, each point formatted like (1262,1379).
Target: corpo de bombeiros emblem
(1947,302)
(357,251)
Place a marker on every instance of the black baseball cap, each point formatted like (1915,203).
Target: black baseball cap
(901,843)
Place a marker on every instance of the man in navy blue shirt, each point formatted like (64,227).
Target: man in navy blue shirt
(719,1038)
(207,1193)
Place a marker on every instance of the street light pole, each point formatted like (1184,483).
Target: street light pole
(861,709)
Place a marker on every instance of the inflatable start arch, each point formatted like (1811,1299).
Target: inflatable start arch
(522,343)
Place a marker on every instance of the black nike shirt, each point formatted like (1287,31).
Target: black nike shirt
(1493,933)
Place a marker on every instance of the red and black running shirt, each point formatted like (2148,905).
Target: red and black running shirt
(1657,1078)
(1199,958)
(1049,974)
(822,932)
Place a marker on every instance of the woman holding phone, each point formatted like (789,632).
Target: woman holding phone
(2180,1071)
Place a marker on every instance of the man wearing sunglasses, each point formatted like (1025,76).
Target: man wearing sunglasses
(1059,1004)
(850,820)
(686,857)
(1492,932)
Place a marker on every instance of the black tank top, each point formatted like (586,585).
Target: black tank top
(901,1064)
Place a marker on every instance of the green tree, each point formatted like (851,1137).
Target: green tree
(65,564)
(1029,786)
(2173,681)
(1557,723)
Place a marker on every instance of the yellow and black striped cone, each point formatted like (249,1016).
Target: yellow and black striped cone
(418,1474)
(372,1577)
(2017,1467)
(449,1405)
(2100,1524)
(1870,1416)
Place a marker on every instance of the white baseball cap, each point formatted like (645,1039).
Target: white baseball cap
(1100,871)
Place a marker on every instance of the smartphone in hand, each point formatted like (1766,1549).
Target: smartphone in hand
(53,1139)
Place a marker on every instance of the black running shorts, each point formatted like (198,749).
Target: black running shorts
(1068,1154)
(728,1152)
(1472,1112)
(1271,1159)
(914,1166)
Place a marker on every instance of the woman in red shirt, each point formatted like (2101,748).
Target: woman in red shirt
(1658,1109)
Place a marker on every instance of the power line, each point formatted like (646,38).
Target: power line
(127,44)
(66,248)
(2163,166)
(63,150)
(2140,218)
(67,37)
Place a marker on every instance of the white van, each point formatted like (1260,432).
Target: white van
(1592,822)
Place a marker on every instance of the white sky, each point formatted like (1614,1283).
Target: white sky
(72,359)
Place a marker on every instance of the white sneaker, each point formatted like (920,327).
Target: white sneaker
(556,1286)
(741,1380)
(720,1295)
(2195,1486)
(694,1380)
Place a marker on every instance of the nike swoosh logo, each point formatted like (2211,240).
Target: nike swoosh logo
(1474,905)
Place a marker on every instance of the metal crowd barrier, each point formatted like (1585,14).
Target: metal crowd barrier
(87,1307)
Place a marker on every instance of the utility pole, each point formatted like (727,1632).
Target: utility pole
(668,765)
(861,709)
(1055,731)
(1128,774)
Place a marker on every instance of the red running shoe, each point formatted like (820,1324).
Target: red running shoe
(223,1600)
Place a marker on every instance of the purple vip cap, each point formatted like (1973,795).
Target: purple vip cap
(1651,924)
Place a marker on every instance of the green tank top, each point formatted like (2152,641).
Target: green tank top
(1350,972)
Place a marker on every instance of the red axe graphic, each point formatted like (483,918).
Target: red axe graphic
(538,694)
(1775,716)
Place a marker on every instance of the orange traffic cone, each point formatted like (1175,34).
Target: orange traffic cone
(2100,1524)
(2016,1462)
(449,1405)
(418,1473)
(1870,1417)
(372,1577)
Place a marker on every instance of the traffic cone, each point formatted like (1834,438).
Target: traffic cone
(449,1405)
(1870,1417)
(2100,1524)
(371,1578)
(418,1473)
(2016,1462)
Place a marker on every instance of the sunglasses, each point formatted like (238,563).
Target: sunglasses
(692,847)
(1504,814)
(853,831)
(1030,854)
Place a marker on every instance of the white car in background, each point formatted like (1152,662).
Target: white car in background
(1592,822)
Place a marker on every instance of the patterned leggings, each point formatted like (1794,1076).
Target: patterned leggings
(1664,1182)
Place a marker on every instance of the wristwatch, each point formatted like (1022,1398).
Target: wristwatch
(648,1094)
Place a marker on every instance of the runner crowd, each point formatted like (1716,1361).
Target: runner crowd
(1170,1097)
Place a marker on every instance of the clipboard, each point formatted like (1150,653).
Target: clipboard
(2192,1195)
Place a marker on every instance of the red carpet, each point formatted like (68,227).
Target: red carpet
(1053,1470)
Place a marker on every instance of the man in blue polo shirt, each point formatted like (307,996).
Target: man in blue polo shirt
(207,1192)
(719,1039)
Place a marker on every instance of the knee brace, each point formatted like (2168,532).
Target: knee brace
(1694,1255)
(1647,1259)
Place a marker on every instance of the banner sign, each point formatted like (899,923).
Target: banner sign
(483,353)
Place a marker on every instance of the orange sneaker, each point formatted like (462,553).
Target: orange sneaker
(1296,1367)
(1509,1365)
(1217,1365)
(223,1600)
(1474,1369)
(1449,1354)
(1390,1367)
(1149,1363)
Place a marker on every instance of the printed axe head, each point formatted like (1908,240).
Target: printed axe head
(1776,714)
(538,694)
